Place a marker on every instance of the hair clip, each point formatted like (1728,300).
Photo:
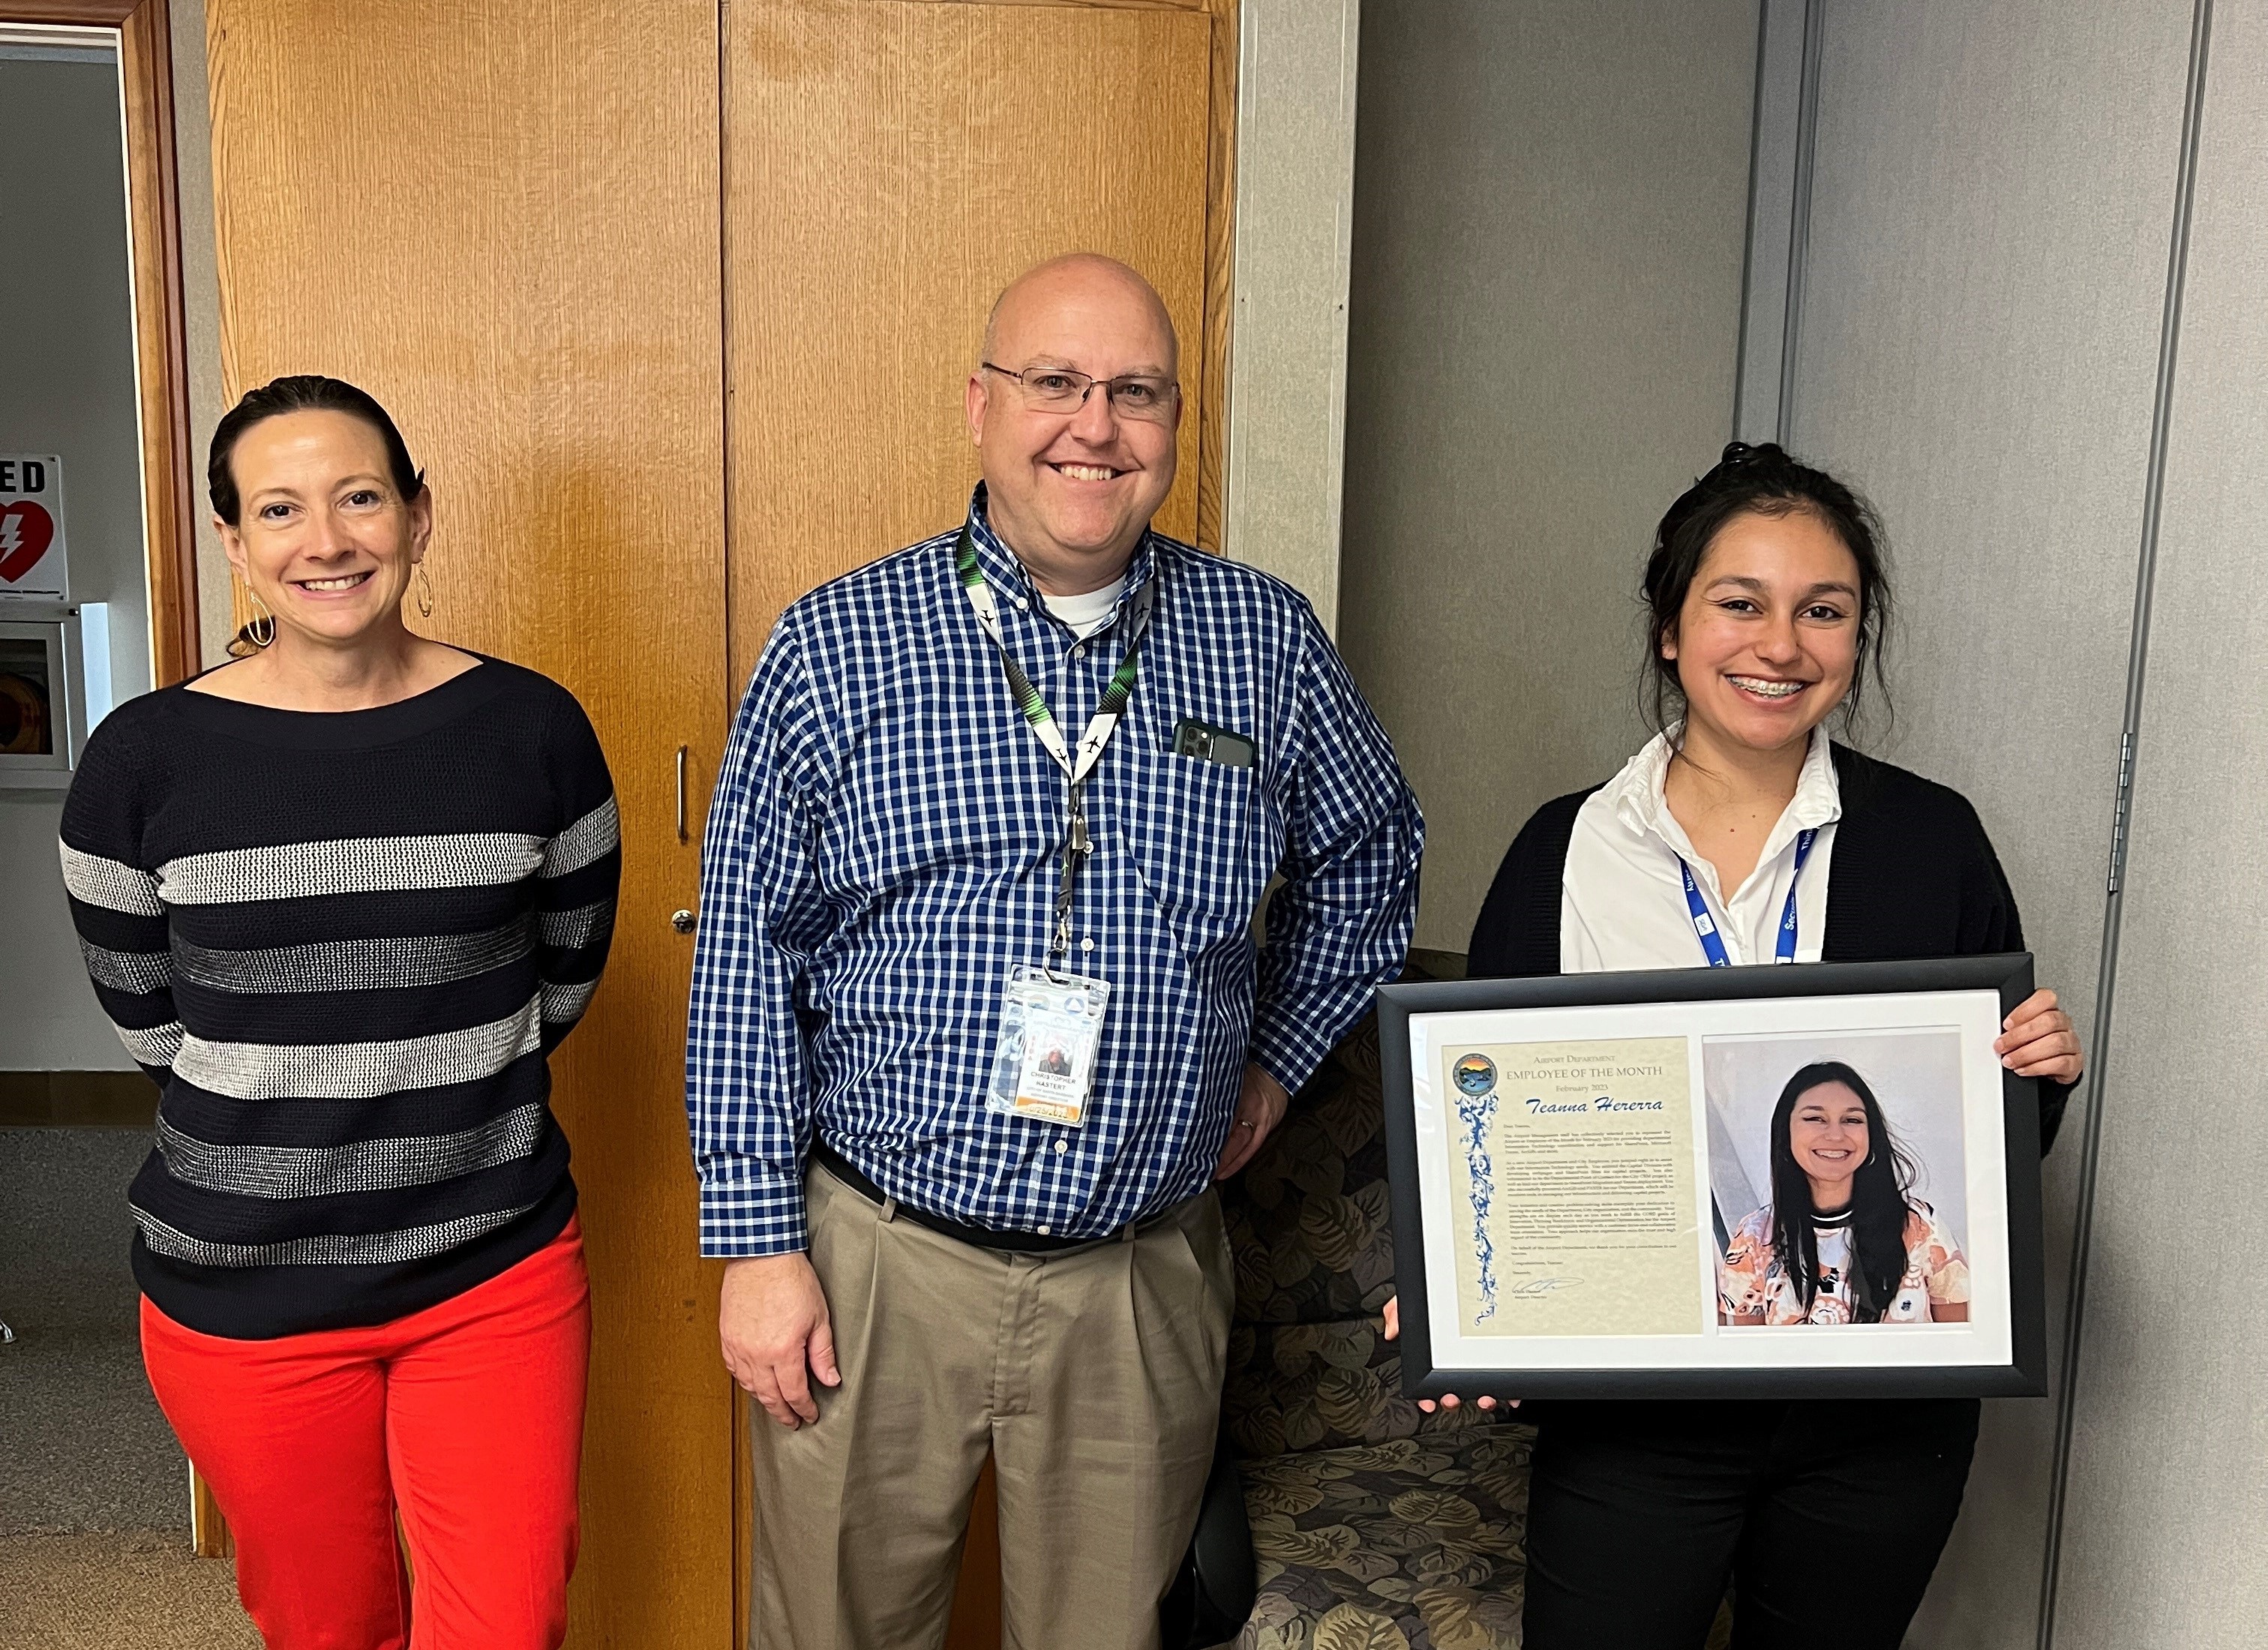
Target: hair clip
(1735,452)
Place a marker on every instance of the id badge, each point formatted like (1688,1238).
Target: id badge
(1050,1028)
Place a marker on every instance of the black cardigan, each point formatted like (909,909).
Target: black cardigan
(1914,875)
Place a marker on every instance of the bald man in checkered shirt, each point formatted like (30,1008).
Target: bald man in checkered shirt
(1032,776)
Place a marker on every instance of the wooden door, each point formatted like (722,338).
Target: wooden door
(889,167)
(502,220)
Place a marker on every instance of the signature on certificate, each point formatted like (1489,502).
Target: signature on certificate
(1543,1285)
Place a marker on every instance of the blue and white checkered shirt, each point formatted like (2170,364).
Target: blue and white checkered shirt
(886,841)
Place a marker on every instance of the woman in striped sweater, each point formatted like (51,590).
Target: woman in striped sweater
(342,897)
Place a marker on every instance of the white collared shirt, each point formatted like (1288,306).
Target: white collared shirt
(1622,902)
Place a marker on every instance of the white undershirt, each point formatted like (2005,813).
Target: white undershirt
(1622,902)
(1087,614)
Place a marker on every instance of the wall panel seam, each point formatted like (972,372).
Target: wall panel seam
(2137,673)
(1755,189)
(1798,234)
(1774,118)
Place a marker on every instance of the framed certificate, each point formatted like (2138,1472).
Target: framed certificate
(1806,1181)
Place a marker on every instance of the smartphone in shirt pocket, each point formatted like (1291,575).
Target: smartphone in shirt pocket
(1204,742)
(1198,829)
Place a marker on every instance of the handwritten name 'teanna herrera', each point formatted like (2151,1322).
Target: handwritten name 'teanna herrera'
(1604,1103)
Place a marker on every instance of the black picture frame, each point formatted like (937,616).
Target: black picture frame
(2010,975)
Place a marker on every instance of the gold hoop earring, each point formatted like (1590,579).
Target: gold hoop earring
(424,593)
(260,630)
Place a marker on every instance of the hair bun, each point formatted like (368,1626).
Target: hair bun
(1742,452)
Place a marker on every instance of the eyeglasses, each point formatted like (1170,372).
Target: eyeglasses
(1057,389)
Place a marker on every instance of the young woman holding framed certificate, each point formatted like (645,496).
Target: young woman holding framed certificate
(1742,835)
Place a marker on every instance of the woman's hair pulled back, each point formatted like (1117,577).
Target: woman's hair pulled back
(1759,481)
(304,392)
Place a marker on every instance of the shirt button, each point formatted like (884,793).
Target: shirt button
(1063,1145)
(1086,944)
(1079,651)
(1043,1231)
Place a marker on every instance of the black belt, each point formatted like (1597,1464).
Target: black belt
(984,1237)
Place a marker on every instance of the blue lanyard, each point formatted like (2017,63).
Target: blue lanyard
(1712,943)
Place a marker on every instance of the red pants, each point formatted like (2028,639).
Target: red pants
(468,1416)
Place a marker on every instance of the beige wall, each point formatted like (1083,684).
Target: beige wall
(2167,1515)
(1979,357)
(1549,203)
(1294,219)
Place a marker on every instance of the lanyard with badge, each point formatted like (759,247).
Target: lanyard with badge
(1051,1020)
(1712,943)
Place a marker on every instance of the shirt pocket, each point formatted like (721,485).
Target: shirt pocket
(1201,840)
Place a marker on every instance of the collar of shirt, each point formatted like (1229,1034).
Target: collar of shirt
(1088,612)
(1005,571)
(1641,803)
(1622,900)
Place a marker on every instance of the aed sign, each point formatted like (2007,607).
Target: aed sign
(32,567)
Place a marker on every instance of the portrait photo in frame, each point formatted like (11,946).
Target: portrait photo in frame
(1587,1173)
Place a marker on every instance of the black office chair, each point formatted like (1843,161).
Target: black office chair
(1212,1596)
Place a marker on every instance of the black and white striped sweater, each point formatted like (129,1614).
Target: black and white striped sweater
(344,945)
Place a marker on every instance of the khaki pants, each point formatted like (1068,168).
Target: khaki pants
(1093,1379)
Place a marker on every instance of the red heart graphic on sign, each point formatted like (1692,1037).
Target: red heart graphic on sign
(26,529)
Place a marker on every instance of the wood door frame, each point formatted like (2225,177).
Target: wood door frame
(161,371)
(153,212)
(1220,275)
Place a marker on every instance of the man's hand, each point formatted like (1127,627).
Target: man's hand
(1259,1109)
(2038,1040)
(772,1318)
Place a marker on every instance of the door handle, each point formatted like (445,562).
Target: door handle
(680,794)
